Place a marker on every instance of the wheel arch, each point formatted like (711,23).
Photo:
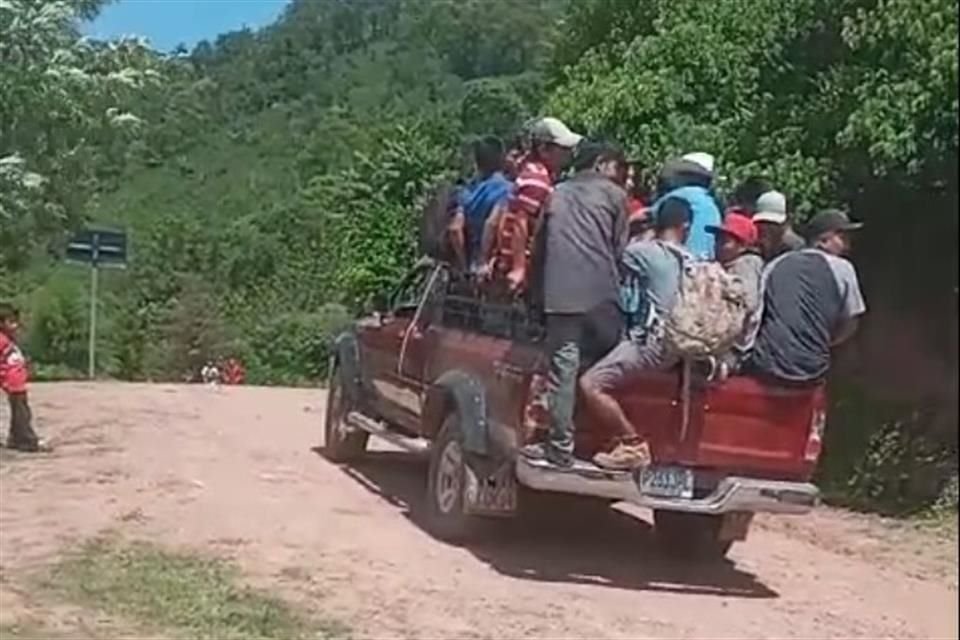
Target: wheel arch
(460,391)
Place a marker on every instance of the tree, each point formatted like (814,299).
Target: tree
(195,331)
(495,106)
(62,107)
(818,94)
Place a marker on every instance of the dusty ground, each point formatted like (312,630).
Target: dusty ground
(232,471)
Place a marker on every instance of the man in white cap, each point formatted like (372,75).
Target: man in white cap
(552,144)
(773,226)
(701,159)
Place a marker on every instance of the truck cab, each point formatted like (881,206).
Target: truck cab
(441,372)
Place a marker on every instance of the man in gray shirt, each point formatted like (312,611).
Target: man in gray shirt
(811,303)
(585,231)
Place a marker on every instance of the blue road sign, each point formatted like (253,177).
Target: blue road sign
(99,247)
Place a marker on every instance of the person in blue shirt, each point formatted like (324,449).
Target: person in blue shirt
(476,201)
(689,179)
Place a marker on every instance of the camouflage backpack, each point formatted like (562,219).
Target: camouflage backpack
(709,312)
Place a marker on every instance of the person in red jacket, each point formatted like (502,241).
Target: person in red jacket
(13,381)
(639,191)
(233,371)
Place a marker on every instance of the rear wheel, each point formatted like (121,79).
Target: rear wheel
(446,515)
(692,536)
(341,443)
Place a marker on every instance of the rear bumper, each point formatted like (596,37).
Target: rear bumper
(733,493)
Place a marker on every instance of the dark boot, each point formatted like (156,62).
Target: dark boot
(22,436)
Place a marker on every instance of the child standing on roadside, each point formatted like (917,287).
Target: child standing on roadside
(13,381)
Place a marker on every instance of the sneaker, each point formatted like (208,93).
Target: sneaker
(34,447)
(624,457)
(43,447)
(534,451)
(540,451)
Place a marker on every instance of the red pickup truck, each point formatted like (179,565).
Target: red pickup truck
(446,374)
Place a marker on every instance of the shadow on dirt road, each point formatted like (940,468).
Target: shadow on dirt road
(575,543)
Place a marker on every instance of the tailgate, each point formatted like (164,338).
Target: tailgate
(740,426)
(749,426)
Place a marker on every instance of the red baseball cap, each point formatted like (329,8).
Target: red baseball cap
(737,225)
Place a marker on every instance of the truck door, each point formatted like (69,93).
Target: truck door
(420,339)
(384,343)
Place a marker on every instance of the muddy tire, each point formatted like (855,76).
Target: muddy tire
(690,536)
(445,514)
(341,444)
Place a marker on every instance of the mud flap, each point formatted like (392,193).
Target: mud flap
(348,357)
(345,346)
(469,399)
(490,494)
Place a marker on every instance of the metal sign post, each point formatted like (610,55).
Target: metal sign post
(97,248)
(92,339)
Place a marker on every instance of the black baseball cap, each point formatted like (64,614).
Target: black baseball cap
(673,212)
(827,221)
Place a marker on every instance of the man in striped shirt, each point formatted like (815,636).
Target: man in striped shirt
(552,148)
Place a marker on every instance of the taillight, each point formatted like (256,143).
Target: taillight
(535,410)
(815,437)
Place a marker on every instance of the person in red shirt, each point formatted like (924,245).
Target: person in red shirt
(640,224)
(13,381)
(552,145)
(233,371)
(639,192)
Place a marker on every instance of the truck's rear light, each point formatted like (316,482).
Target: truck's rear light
(535,410)
(815,438)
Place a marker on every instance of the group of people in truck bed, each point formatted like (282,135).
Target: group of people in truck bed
(603,260)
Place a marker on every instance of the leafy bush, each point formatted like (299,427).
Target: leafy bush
(883,455)
(195,331)
(294,348)
(57,322)
(55,373)
(492,106)
(947,501)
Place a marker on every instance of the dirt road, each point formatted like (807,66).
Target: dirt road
(232,471)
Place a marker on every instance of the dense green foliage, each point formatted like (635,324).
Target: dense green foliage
(63,118)
(270,180)
(845,102)
(278,172)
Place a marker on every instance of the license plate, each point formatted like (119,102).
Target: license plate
(666,482)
